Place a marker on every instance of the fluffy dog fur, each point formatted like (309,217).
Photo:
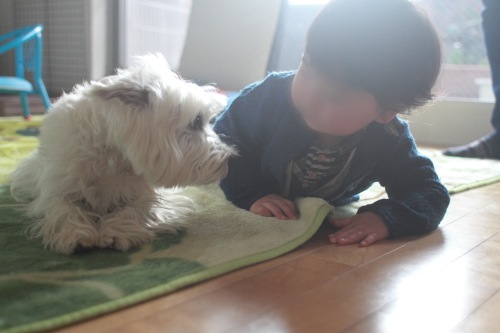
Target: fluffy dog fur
(108,147)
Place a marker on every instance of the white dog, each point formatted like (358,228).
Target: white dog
(106,149)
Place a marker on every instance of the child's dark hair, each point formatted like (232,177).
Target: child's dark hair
(388,48)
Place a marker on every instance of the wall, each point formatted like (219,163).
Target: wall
(229,41)
(6,24)
(451,122)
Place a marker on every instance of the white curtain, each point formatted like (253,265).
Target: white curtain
(153,26)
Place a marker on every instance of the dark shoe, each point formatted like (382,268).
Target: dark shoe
(486,147)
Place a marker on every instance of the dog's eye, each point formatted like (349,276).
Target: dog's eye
(197,124)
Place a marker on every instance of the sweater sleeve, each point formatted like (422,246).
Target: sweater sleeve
(417,201)
(245,124)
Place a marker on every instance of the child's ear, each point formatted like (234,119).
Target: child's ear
(385,117)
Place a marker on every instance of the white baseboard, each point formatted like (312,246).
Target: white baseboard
(451,122)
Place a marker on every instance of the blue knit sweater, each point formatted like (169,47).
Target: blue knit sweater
(269,132)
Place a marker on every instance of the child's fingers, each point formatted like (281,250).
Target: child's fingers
(275,210)
(288,208)
(348,235)
(365,228)
(273,205)
(352,237)
(282,209)
(370,239)
(347,238)
(262,211)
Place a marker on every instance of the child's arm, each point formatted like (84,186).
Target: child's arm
(417,200)
(416,204)
(247,124)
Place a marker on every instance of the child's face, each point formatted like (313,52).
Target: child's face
(333,109)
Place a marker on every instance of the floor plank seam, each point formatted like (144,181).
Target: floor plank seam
(476,309)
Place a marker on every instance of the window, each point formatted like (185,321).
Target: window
(465,72)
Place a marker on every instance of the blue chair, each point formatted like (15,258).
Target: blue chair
(27,43)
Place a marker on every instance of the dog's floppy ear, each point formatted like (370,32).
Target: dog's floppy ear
(132,95)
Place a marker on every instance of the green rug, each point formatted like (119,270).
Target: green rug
(17,140)
(41,290)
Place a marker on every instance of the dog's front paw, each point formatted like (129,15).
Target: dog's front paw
(124,244)
(105,240)
(123,238)
(69,240)
(121,242)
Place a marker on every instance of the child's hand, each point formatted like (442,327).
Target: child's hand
(366,228)
(274,205)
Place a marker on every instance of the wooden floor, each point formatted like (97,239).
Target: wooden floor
(446,281)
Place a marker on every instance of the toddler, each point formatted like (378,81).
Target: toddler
(331,129)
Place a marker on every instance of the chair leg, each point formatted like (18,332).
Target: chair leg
(43,94)
(25,105)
